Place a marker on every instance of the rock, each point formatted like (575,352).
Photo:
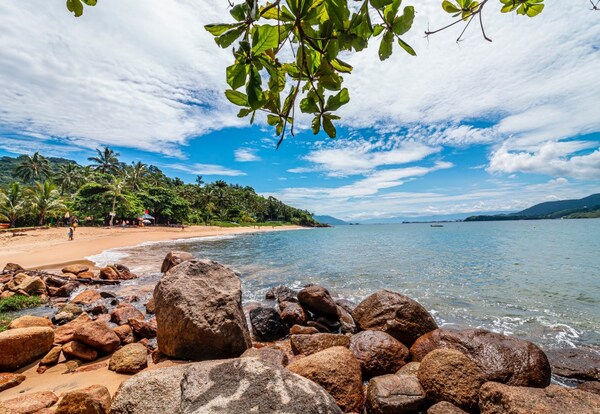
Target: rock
(318,326)
(590,386)
(444,407)
(199,312)
(318,300)
(9,380)
(143,329)
(310,344)
(90,400)
(96,309)
(71,308)
(292,313)
(109,273)
(6,294)
(394,394)
(65,333)
(123,312)
(346,304)
(14,283)
(62,317)
(266,324)
(124,272)
(502,358)
(150,307)
(338,372)
(32,286)
(75,269)
(282,294)
(333,324)
(87,297)
(496,398)
(66,290)
(28,403)
(172,259)
(19,347)
(52,357)
(78,350)
(125,333)
(448,375)
(12,268)
(396,314)
(378,353)
(267,354)
(412,368)
(130,359)
(86,275)
(303,330)
(29,321)
(575,363)
(244,385)
(98,335)
(347,324)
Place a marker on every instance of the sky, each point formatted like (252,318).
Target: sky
(462,128)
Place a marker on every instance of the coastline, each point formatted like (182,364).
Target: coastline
(50,249)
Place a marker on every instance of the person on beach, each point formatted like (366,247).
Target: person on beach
(67,218)
(75,223)
(70,233)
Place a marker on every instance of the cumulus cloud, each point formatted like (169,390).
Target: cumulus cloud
(246,155)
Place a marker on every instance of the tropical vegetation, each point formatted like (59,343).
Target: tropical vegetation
(36,191)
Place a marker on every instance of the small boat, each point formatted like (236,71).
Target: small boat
(436,225)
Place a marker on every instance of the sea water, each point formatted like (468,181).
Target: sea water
(536,280)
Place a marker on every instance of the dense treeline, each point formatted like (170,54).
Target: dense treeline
(36,190)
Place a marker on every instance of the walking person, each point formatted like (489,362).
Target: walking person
(70,233)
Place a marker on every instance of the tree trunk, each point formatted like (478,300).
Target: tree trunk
(112,217)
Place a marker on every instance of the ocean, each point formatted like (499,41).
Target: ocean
(536,280)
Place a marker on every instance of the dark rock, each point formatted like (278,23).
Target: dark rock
(347,324)
(107,295)
(172,259)
(282,294)
(575,363)
(502,358)
(292,313)
(96,309)
(395,394)
(66,290)
(346,304)
(267,354)
(318,300)
(318,326)
(310,344)
(333,324)
(267,325)
(378,353)
(150,307)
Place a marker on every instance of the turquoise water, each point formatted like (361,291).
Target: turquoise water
(538,280)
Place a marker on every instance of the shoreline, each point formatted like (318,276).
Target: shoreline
(49,248)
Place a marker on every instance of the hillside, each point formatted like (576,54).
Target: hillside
(8,165)
(332,221)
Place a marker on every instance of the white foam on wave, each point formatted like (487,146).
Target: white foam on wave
(184,240)
(108,257)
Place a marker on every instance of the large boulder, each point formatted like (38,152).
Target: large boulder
(338,371)
(98,335)
(130,359)
(313,343)
(267,324)
(29,321)
(575,363)
(502,358)
(245,385)
(496,398)
(378,353)
(318,300)
(396,314)
(91,400)
(65,333)
(395,394)
(448,375)
(9,380)
(172,259)
(28,403)
(199,312)
(19,347)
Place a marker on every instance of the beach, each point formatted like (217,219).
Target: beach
(50,249)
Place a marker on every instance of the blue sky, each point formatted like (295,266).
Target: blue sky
(473,127)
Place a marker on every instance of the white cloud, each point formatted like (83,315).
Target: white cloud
(205,169)
(246,155)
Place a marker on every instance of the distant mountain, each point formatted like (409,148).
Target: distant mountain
(427,219)
(8,165)
(332,221)
(587,207)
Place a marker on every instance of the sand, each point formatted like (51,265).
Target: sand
(50,249)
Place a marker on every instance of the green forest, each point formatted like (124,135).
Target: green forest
(37,191)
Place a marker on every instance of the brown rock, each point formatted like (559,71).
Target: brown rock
(98,335)
(266,324)
(199,312)
(378,353)
(29,403)
(12,267)
(9,380)
(394,394)
(412,368)
(496,398)
(318,300)
(77,350)
(32,286)
(109,273)
(90,400)
(292,313)
(272,355)
(310,344)
(338,372)
(282,293)
(347,324)
(29,321)
(75,269)
(448,375)
(65,290)
(6,294)
(502,358)
(318,326)
(150,307)
(86,275)
(14,283)
(52,357)
(303,330)
(19,347)
(575,363)
(444,407)
(87,297)
(125,333)
(65,333)
(396,314)
(590,386)
(130,359)
(172,259)
(143,329)
(123,312)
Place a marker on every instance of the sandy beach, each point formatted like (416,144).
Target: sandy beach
(49,248)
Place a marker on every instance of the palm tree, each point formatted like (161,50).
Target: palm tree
(12,203)
(107,161)
(135,174)
(69,175)
(115,189)
(33,167)
(44,199)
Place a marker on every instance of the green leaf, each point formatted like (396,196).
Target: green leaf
(379,4)
(236,75)
(316,124)
(390,11)
(236,98)
(534,9)
(377,29)
(338,12)
(341,66)
(335,102)
(253,89)
(272,120)
(90,2)
(403,23)
(244,112)
(449,7)
(407,47)
(385,48)
(309,106)
(265,37)
(328,127)
(239,12)
(218,29)
(75,7)
(227,38)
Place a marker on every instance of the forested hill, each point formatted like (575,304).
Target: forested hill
(35,190)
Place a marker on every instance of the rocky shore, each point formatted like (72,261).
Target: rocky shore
(193,348)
